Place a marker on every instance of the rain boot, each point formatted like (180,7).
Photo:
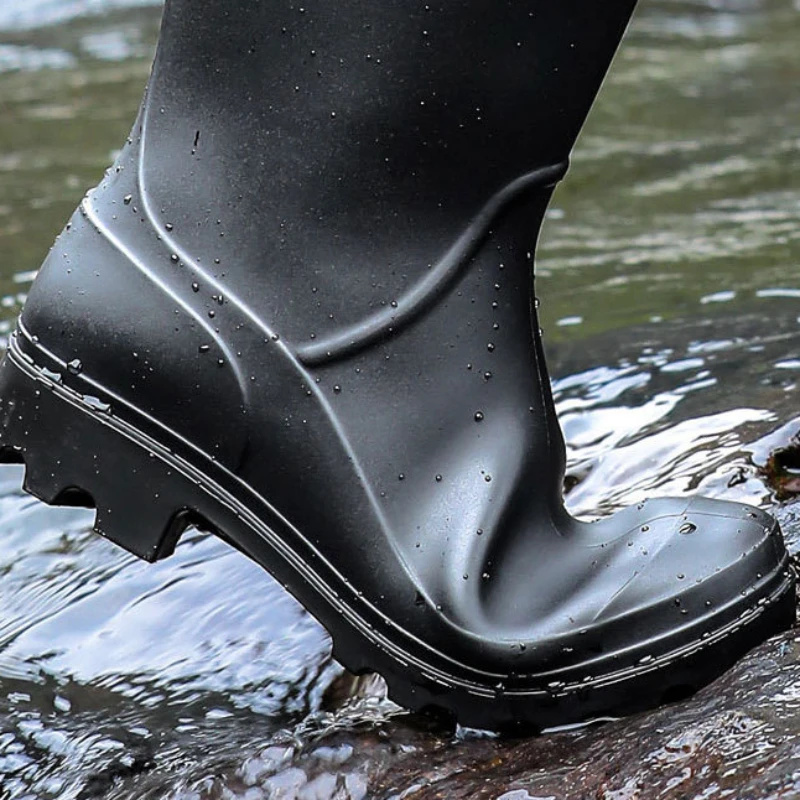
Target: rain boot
(298,312)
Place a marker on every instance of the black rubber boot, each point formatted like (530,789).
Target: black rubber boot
(298,311)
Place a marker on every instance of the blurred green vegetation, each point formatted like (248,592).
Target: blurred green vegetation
(60,126)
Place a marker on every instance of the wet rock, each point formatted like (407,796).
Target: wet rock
(782,470)
(739,737)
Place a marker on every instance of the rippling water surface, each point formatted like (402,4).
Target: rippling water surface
(669,273)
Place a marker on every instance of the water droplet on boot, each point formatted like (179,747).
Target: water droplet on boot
(75,367)
(687,527)
(479,416)
(96,404)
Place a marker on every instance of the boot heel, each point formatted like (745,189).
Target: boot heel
(75,455)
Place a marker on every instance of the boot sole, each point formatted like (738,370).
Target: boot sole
(77,451)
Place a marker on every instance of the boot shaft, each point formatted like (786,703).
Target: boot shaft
(417,90)
(344,147)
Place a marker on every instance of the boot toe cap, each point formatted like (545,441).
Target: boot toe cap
(684,577)
(714,551)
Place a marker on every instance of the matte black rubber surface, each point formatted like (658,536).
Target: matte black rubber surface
(298,311)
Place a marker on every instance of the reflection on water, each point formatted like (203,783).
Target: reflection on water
(671,303)
(15,15)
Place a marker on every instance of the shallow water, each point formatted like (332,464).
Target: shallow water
(669,273)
